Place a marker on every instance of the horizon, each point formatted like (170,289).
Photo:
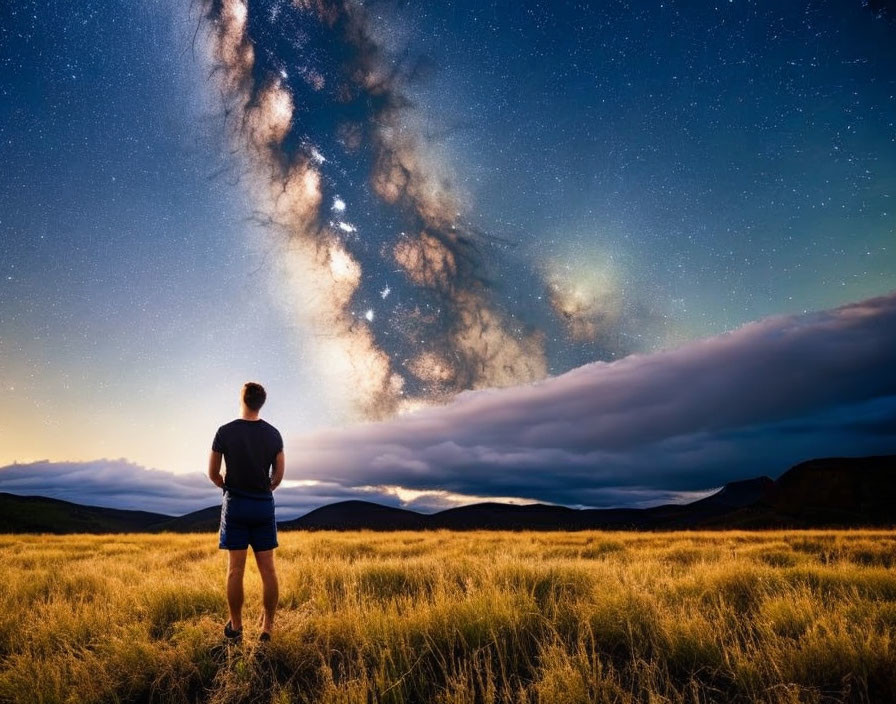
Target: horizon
(757,503)
(862,417)
(424,512)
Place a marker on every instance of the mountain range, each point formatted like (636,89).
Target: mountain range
(830,492)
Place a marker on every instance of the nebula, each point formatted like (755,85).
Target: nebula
(315,108)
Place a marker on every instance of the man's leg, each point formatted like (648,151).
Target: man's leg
(265,562)
(235,568)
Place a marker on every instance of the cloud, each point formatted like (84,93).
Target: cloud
(642,430)
(118,483)
(749,402)
(110,482)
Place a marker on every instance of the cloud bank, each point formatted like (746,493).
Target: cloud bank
(749,402)
(110,482)
(641,430)
(118,483)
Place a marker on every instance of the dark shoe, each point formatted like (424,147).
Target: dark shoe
(265,637)
(232,634)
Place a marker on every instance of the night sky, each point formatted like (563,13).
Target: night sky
(372,208)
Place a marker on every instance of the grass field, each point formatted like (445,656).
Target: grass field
(457,617)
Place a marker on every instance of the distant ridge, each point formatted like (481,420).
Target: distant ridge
(834,491)
(829,492)
(202,521)
(39,514)
(353,514)
(505,516)
(839,491)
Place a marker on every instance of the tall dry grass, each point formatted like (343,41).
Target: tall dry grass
(457,617)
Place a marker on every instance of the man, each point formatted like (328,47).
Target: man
(249,446)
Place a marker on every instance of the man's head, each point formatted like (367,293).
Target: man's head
(253,396)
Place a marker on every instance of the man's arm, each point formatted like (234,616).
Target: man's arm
(214,469)
(279,468)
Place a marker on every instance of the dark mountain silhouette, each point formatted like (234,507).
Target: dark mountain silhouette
(751,503)
(505,516)
(737,494)
(349,515)
(201,521)
(835,492)
(732,496)
(39,514)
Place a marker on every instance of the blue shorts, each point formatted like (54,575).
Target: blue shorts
(247,519)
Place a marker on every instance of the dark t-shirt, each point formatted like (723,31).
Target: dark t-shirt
(249,448)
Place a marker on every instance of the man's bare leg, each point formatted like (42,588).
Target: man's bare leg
(236,567)
(270,588)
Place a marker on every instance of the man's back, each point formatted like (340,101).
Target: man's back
(249,448)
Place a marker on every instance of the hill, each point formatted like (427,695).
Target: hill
(836,491)
(352,515)
(732,496)
(204,520)
(39,514)
(506,517)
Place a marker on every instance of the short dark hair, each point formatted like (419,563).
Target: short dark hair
(254,395)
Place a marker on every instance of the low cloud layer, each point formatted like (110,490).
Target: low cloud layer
(110,482)
(749,402)
(642,430)
(118,483)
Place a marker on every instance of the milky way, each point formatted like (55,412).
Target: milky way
(400,306)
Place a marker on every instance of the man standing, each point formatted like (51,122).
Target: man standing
(249,446)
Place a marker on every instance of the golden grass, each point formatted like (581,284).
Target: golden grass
(449,617)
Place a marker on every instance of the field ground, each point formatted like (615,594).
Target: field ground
(804,616)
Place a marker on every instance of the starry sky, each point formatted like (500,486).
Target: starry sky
(374,207)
